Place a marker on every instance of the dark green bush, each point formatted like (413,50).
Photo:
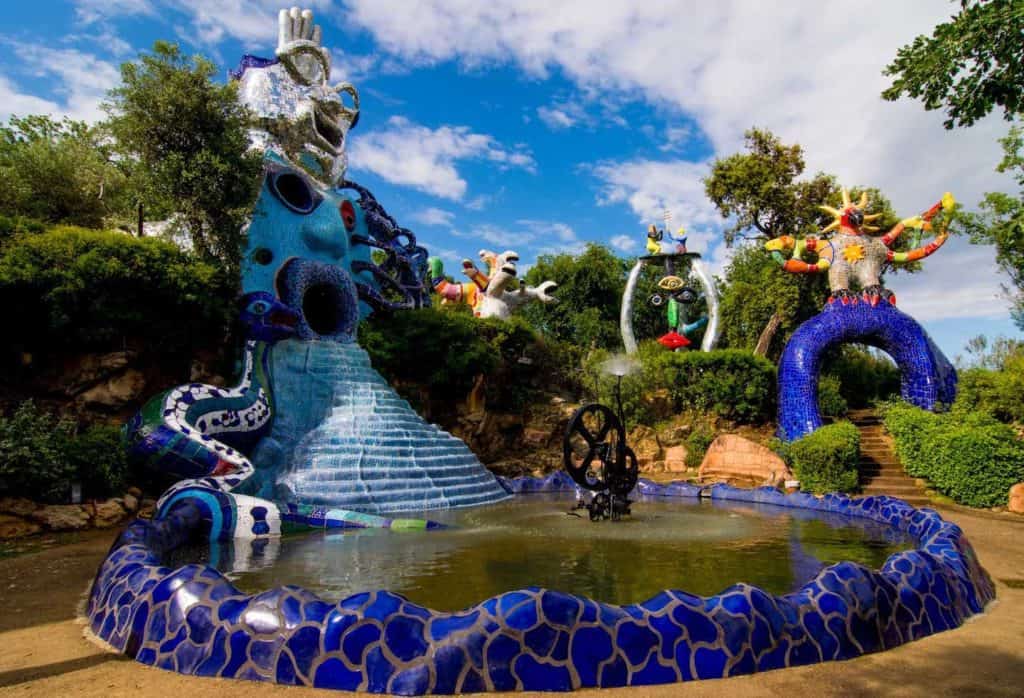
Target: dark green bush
(33,462)
(697,444)
(864,377)
(730,383)
(825,460)
(91,289)
(968,456)
(830,399)
(41,455)
(98,460)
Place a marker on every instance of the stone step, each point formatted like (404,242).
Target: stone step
(887,480)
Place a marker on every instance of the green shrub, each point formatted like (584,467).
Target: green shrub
(33,461)
(41,455)
(697,444)
(830,399)
(968,456)
(91,289)
(98,460)
(826,459)
(730,383)
(864,377)
(999,393)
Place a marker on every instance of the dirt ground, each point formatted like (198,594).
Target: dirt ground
(43,651)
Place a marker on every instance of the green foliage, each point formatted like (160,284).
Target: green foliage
(732,384)
(41,455)
(440,350)
(826,459)
(1000,221)
(997,391)
(697,444)
(968,456)
(762,192)
(830,400)
(97,457)
(443,351)
(589,292)
(58,171)
(969,65)
(90,288)
(755,290)
(184,138)
(33,463)
(863,378)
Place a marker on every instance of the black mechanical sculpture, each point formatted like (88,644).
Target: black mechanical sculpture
(597,458)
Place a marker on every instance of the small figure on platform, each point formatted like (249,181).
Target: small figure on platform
(490,294)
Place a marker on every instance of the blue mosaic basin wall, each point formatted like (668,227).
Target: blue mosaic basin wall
(193,621)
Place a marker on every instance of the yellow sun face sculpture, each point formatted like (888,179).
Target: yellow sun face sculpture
(853,253)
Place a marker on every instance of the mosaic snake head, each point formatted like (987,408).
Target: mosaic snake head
(266,318)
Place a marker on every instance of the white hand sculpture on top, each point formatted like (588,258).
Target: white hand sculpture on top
(298,47)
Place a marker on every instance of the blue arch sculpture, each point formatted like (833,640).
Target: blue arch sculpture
(928,379)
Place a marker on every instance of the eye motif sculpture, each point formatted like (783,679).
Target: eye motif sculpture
(851,256)
(494,294)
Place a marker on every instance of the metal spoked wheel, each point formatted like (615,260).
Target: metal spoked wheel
(594,448)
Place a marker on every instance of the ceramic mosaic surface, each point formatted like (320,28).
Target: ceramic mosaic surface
(193,621)
(928,379)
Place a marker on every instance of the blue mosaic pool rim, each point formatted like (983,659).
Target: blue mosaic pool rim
(193,621)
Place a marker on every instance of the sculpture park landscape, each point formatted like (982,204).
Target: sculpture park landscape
(312,457)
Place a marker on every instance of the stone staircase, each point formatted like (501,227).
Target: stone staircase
(880,470)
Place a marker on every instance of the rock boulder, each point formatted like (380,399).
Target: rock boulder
(1016,503)
(741,462)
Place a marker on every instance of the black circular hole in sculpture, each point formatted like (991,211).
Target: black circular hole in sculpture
(294,192)
(323,307)
(262,256)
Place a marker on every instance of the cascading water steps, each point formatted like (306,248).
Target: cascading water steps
(343,438)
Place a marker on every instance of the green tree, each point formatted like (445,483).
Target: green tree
(58,171)
(185,139)
(761,192)
(969,65)
(589,293)
(1000,222)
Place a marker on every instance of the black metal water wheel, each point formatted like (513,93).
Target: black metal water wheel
(594,450)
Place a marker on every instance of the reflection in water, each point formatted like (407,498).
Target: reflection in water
(699,546)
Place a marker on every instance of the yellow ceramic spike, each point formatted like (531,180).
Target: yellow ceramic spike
(948,202)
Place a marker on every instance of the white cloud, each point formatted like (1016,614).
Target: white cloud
(416,156)
(555,118)
(81,81)
(624,243)
(16,103)
(808,71)
(434,216)
(676,137)
(960,280)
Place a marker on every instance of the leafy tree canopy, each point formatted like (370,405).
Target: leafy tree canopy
(185,139)
(968,66)
(58,171)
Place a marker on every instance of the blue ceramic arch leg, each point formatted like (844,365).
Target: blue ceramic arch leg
(928,380)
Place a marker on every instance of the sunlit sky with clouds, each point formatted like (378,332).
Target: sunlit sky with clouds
(541,125)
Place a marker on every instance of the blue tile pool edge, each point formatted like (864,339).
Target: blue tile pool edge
(194,621)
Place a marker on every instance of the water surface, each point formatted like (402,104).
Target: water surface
(698,546)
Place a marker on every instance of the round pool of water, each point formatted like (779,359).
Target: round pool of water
(699,546)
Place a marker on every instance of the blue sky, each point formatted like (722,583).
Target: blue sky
(538,125)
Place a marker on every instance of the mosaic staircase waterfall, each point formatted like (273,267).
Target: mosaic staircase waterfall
(353,443)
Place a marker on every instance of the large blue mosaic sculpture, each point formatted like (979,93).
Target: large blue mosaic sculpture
(865,315)
(927,378)
(193,621)
(312,435)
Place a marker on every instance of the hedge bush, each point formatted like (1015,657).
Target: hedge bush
(41,455)
(90,289)
(825,460)
(830,399)
(998,393)
(968,456)
(730,383)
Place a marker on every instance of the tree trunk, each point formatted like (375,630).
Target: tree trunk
(767,335)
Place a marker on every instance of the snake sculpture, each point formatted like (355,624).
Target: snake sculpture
(851,255)
(200,433)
